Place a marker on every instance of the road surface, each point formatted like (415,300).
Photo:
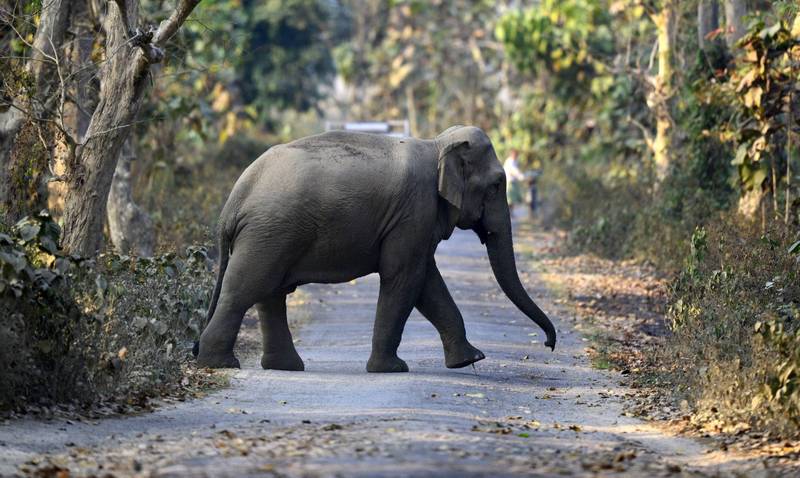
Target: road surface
(522,411)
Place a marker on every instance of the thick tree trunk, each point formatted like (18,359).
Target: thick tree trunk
(707,22)
(130,227)
(123,85)
(735,10)
(661,96)
(750,202)
(23,157)
(77,111)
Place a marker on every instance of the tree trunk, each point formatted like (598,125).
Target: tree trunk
(707,22)
(661,96)
(123,85)
(750,202)
(735,10)
(76,111)
(130,227)
(47,43)
(23,156)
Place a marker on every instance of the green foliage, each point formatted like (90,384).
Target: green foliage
(735,300)
(87,330)
(236,72)
(255,57)
(573,108)
(289,54)
(566,39)
(36,342)
(762,88)
(701,181)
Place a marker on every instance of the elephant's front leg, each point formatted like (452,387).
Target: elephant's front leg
(279,351)
(398,293)
(437,305)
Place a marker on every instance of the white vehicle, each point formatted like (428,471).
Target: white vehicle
(396,128)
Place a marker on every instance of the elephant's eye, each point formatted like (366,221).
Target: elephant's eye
(493,188)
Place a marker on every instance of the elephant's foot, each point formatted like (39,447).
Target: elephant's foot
(384,364)
(209,360)
(284,360)
(461,355)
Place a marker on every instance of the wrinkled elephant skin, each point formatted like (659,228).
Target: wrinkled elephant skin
(337,206)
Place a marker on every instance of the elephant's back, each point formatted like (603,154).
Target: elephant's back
(360,163)
(345,145)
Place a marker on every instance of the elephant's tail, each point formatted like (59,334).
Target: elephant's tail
(224,252)
(225,240)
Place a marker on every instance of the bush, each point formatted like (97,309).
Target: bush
(602,214)
(626,216)
(114,327)
(37,346)
(736,322)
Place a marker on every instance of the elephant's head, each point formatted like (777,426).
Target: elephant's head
(472,181)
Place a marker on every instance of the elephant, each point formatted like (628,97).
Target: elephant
(336,206)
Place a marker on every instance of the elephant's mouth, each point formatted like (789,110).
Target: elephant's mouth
(481,231)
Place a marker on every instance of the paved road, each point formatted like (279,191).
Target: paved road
(524,410)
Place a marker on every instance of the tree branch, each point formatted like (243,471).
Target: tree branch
(648,137)
(152,42)
(171,25)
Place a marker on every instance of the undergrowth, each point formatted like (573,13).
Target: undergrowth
(114,327)
(735,318)
(733,308)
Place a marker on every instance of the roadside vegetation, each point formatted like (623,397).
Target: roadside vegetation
(711,201)
(112,329)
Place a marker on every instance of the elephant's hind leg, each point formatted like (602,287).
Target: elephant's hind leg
(241,289)
(279,351)
(219,337)
(437,305)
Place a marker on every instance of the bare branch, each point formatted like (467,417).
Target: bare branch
(648,137)
(97,134)
(169,26)
(653,53)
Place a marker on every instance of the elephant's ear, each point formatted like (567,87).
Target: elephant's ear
(451,172)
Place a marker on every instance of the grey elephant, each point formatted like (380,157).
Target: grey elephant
(337,206)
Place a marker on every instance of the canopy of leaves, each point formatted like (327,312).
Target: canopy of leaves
(764,88)
(569,40)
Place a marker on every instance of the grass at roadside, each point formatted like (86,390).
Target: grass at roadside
(622,309)
(617,305)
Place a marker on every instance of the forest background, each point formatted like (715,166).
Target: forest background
(666,132)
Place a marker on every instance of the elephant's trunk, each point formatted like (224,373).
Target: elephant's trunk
(501,256)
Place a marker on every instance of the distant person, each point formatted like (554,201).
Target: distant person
(532,190)
(514,180)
